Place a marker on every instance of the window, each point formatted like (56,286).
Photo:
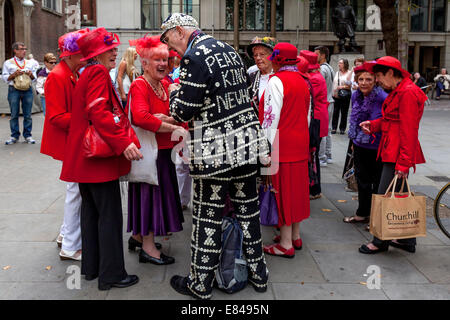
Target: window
(438,15)
(318,14)
(254,14)
(53,5)
(152,18)
(419,15)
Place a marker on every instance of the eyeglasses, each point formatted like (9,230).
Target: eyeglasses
(22,49)
(52,62)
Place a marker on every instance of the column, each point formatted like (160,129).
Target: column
(236,25)
(273,17)
(416,56)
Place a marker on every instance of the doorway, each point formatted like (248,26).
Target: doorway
(10,33)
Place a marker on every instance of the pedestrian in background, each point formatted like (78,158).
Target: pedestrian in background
(357,63)
(59,86)
(154,210)
(126,73)
(49,62)
(399,126)
(96,103)
(341,95)
(420,81)
(366,105)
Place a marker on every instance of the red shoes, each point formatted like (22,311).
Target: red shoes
(297,244)
(277,250)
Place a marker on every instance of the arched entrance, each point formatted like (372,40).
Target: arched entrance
(10,38)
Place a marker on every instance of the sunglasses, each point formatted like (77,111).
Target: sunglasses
(52,62)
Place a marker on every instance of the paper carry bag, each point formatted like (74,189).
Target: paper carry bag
(398,215)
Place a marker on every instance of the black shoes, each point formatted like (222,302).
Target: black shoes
(133,244)
(365,249)
(127,282)
(407,247)
(163,260)
(179,284)
(342,132)
(333,131)
(90,277)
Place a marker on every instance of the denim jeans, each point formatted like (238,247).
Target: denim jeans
(439,88)
(14,98)
(43,104)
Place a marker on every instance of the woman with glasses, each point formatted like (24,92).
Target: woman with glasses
(50,63)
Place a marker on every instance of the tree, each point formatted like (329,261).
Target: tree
(389,25)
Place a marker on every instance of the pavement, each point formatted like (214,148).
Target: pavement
(328,267)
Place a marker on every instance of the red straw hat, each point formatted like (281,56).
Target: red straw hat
(284,53)
(390,62)
(97,42)
(312,59)
(303,66)
(67,43)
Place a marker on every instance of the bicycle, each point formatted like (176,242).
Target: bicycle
(442,218)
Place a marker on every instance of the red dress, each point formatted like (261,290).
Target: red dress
(291,180)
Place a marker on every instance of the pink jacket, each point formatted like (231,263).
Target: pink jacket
(319,86)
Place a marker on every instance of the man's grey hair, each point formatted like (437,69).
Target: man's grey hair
(16,45)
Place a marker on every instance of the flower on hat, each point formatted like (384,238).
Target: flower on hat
(70,42)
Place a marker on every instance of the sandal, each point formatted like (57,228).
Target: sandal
(317,196)
(277,250)
(297,244)
(366,250)
(367,228)
(353,219)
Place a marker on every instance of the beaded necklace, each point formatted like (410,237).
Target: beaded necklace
(157,91)
(17,63)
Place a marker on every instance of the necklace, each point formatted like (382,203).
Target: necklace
(17,63)
(162,96)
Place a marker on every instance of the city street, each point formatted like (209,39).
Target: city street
(328,267)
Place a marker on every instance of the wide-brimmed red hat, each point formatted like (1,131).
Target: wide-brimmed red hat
(97,42)
(284,53)
(365,67)
(302,66)
(390,62)
(312,59)
(67,43)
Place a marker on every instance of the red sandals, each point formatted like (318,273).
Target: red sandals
(297,244)
(277,250)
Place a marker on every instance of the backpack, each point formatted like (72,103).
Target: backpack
(232,274)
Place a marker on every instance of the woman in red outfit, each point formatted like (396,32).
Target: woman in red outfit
(286,105)
(96,102)
(399,125)
(154,210)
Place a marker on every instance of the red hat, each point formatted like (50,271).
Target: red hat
(303,66)
(97,42)
(312,59)
(67,43)
(284,53)
(173,53)
(146,44)
(390,62)
(365,67)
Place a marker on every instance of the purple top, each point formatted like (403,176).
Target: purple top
(365,108)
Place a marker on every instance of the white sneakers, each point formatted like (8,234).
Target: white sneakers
(13,140)
(30,140)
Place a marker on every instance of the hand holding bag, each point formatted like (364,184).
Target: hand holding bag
(398,215)
(268,204)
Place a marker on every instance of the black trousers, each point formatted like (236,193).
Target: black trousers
(368,174)
(101,231)
(341,107)
(386,177)
(316,189)
(209,203)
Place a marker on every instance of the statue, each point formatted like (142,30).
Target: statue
(344,25)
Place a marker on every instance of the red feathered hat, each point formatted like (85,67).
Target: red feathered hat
(144,44)
(173,53)
(96,42)
(67,43)
(284,53)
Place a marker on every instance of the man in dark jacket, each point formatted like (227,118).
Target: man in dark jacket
(226,140)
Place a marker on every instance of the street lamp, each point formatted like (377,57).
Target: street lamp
(28,6)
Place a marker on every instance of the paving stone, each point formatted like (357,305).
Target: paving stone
(329,230)
(344,264)
(417,292)
(433,262)
(326,291)
(29,227)
(35,202)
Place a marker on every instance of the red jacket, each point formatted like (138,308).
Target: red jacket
(94,98)
(293,132)
(59,87)
(401,114)
(319,86)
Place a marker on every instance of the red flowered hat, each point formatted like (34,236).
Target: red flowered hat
(145,44)
(390,62)
(67,43)
(302,66)
(312,59)
(284,53)
(97,42)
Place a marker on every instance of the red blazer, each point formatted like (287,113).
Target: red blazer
(293,132)
(319,86)
(59,87)
(401,114)
(95,99)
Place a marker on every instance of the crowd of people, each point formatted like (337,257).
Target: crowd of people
(235,125)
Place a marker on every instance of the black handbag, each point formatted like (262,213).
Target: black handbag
(314,124)
(343,93)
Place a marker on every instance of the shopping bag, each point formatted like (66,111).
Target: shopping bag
(268,204)
(398,215)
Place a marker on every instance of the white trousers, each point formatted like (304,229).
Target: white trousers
(70,228)
(184,183)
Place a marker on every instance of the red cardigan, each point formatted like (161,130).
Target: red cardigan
(59,88)
(95,99)
(319,86)
(401,114)
(145,103)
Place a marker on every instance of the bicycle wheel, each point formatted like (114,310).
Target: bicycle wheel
(441,211)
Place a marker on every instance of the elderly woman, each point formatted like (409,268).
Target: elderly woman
(154,210)
(399,126)
(97,112)
(341,95)
(127,73)
(366,105)
(285,123)
(260,49)
(49,62)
